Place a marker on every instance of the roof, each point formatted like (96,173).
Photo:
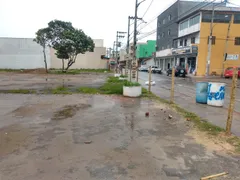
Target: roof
(204,7)
(226,9)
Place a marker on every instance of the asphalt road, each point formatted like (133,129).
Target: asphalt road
(185,93)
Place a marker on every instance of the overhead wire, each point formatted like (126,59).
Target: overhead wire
(176,18)
(154,31)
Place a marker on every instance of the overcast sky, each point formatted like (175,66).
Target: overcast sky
(99,19)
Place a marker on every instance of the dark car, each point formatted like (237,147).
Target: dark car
(179,71)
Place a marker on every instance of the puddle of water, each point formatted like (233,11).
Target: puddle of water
(69,111)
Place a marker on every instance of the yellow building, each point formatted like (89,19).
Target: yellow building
(190,49)
(226,21)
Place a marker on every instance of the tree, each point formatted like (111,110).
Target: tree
(43,40)
(68,41)
(73,42)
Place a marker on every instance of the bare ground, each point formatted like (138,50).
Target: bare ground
(34,81)
(57,137)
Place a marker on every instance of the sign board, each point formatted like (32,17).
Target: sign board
(185,50)
(232,57)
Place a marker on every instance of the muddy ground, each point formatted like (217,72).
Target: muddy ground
(13,80)
(84,137)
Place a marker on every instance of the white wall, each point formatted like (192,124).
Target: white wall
(197,39)
(98,42)
(150,62)
(164,52)
(21,53)
(89,60)
(189,30)
(24,53)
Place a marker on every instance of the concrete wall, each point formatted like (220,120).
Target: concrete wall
(21,53)
(89,60)
(24,53)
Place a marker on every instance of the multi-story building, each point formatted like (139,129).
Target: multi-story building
(145,50)
(190,48)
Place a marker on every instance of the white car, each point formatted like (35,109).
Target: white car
(156,69)
(143,68)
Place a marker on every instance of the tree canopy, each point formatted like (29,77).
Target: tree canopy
(66,40)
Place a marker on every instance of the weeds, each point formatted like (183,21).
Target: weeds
(61,90)
(87,90)
(78,71)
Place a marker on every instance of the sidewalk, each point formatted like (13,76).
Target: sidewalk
(185,98)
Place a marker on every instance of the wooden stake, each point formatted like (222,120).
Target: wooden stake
(149,79)
(214,176)
(232,101)
(172,88)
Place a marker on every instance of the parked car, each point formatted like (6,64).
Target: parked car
(156,69)
(229,72)
(143,68)
(179,71)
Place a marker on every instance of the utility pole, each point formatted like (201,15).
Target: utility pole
(210,42)
(135,63)
(128,35)
(226,44)
(232,101)
(119,35)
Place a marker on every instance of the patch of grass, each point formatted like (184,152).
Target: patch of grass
(131,84)
(20,91)
(123,76)
(61,90)
(235,141)
(112,88)
(112,79)
(88,90)
(199,123)
(11,70)
(78,71)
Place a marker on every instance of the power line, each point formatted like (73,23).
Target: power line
(154,31)
(147,8)
(176,18)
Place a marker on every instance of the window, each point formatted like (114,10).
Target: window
(185,42)
(158,36)
(181,42)
(193,39)
(213,40)
(218,18)
(164,21)
(184,25)
(163,34)
(194,20)
(236,19)
(169,32)
(237,41)
(169,17)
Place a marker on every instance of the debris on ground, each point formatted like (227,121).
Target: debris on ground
(87,142)
(214,176)
(152,83)
(170,116)
(147,114)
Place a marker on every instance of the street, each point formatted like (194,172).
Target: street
(185,93)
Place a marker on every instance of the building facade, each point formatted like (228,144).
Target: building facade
(191,45)
(24,53)
(146,50)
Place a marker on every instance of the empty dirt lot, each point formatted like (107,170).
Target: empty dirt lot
(43,81)
(95,137)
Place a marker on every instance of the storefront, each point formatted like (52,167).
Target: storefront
(185,57)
